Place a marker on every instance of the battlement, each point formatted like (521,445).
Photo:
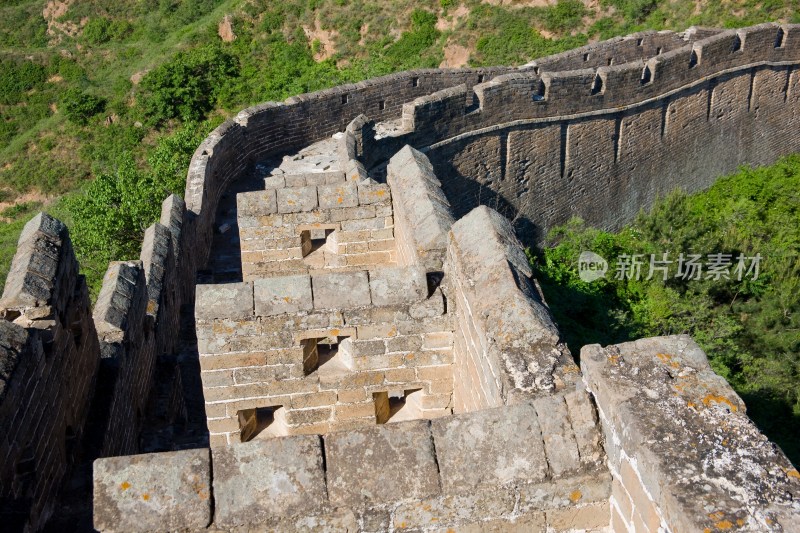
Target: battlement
(561,86)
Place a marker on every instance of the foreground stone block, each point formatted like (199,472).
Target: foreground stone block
(340,290)
(288,294)
(490,442)
(381,464)
(267,480)
(692,459)
(153,492)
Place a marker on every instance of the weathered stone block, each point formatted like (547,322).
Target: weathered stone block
(263,480)
(340,290)
(274,182)
(153,492)
(453,510)
(559,439)
(396,285)
(373,193)
(381,464)
(297,199)
(655,397)
(489,441)
(228,300)
(433,306)
(256,203)
(287,294)
(337,195)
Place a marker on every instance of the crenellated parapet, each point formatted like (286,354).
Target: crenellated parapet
(77,380)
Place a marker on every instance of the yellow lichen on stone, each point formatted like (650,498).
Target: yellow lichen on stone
(709,398)
(575,496)
(125,485)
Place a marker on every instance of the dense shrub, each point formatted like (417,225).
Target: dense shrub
(101,30)
(110,216)
(187,86)
(18,77)
(80,107)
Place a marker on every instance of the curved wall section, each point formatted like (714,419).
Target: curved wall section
(272,129)
(604,143)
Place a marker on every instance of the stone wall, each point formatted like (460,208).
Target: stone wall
(321,352)
(507,347)
(422,214)
(48,365)
(314,221)
(466,472)
(682,452)
(270,129)
(541,148)
(76,382)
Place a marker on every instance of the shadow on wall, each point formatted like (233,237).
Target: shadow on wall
(466,193)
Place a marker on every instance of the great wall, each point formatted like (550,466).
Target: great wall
(371,351)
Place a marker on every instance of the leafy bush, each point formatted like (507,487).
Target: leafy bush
(101,30)
(79,106)
(110,216)
(187,86)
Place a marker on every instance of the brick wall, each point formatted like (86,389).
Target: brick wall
(76,381)
(422,214)
(541,148)
(466,472)
(506,345)
(314,221)
(268,129)
(48,365)
(264,344)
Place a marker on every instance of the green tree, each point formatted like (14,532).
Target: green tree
(80,107)
(186,87)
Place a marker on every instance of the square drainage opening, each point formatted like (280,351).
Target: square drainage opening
(397,406)
(327,354)
(312,240)
(262,423)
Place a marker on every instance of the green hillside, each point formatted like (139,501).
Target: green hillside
(92,89)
